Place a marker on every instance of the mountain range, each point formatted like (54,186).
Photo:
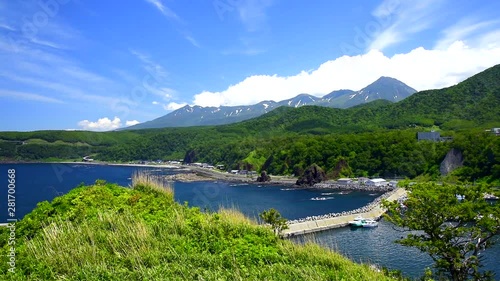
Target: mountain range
(472,103)
(383,88)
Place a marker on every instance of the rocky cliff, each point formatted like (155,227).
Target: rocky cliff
(453,160)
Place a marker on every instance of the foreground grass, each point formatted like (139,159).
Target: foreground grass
(107,232)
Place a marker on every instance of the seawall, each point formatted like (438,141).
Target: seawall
(309,226)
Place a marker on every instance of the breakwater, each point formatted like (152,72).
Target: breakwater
(353,187)
(310,224)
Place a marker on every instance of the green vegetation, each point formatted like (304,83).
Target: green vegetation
(456,224)
(107,232)
(374,139)
(274,218)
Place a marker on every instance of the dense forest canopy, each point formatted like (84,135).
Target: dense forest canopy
(374,139)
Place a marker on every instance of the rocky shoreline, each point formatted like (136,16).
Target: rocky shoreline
(353,187)
(364,209)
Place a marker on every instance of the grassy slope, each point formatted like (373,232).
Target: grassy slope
(107,232)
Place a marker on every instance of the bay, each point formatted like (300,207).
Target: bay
(39,182)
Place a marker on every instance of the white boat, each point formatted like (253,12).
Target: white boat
(328,193)
(358,221)
(369,223)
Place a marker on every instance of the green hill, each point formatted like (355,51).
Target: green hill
(376,138)
(107,232)
(471,103)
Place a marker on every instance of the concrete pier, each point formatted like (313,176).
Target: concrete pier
(340,221)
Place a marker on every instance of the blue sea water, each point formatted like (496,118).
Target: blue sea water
(39,182)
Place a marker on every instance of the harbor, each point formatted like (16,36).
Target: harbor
(319,223)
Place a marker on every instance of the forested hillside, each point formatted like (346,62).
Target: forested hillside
(378,138)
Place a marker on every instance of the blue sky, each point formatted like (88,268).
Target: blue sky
(101,65)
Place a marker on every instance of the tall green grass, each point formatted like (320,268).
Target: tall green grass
(107,232)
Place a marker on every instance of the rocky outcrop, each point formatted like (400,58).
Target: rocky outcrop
(312,175)
(190,157)
(454,159)
(264,177)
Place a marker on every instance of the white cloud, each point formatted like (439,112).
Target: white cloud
(164,92)
(156,79)
(164,9)
(102,124)
(174,106)
(7,27)
(46,43)
(397,20)
(131,123)
(155,103)
(479,33)
(27,96)
(156,70)
(192,41)
(176,20)
(420,68)
(252,13)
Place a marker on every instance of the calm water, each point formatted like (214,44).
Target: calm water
(38,182)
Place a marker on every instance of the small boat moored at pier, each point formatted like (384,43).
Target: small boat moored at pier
(357,222)
(369,223)
(362,222)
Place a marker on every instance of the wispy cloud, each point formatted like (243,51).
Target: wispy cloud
(158,84)
(252,13)
(41,66)
(165,10)
(74,91)
(27,96)
(178,22)
(192,41)
(7,27)
(402,19)
(472,31)
(47,43)
(152,67)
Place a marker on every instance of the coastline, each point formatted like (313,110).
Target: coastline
(202,174)
(94,163)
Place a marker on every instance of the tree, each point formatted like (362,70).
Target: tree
(454,223)
(274,218)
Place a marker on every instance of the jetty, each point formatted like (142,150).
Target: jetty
(309,226)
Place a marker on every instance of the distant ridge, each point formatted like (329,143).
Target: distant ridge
(474,102)
(383,88)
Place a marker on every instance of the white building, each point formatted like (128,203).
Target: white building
(393,183)
(496,131)
(376,182)
(344,181)
(363,180)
